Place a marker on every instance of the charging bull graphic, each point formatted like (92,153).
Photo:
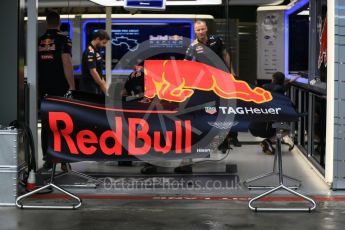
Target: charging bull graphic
(323,45)
(176,80)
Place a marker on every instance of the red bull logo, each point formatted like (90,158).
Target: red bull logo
(46,45)
(47,42)
(176,80)
(323,45)
(86,142)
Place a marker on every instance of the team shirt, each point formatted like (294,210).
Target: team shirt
(51,76)
(91,59)
(210,53)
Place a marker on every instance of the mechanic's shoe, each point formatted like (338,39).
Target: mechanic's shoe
(224,146)
(270,146)
(47,166)
(235,142)
(264,146)
(149,169)
(66,167)
(267,147)
(184,169)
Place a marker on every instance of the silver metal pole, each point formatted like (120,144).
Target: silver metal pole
(31,57)
(279,157)
(108,57)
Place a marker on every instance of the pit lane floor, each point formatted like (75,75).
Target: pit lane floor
(215,207)
(171,214)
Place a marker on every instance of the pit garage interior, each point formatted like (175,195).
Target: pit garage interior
(303,39)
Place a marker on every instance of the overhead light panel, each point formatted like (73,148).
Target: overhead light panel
(168,2)
(108,2)
(304,12)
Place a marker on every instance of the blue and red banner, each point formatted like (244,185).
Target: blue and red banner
(180,120)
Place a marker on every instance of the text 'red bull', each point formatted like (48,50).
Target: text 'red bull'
(88,143)
(176,80)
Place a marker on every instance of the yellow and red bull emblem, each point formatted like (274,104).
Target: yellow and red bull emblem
(323,45)
(47,41)
(176,80)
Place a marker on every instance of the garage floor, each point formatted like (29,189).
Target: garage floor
(209,175)
(213,215)
(223,205)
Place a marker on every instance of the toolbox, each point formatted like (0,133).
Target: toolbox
(12,164)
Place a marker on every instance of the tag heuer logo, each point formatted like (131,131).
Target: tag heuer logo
(210,110)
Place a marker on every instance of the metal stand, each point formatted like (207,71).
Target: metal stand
(281,186)
(51,184)
(274,172)
(81,175)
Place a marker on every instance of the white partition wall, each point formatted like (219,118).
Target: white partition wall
(335,157)
(271,40)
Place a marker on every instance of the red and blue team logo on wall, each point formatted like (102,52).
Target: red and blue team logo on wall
(323,45)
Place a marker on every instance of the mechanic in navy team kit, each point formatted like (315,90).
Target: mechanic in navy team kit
(204,49)
(55,69)
(93,80)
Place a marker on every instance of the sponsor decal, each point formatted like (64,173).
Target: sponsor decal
(166,38)
(46,45)
(87,142)
(198,48)
(249,110)
(223,124)
(47,57)
(210,110)
(47,41)
(203,150)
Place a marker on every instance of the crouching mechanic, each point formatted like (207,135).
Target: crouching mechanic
(265,129)
(134,85)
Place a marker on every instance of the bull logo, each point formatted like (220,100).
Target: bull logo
(323,45)
(176,80)
(46,45)
(47,42)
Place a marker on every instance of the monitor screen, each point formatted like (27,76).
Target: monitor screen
(144,39)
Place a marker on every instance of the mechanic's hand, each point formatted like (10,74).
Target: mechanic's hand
(104,88)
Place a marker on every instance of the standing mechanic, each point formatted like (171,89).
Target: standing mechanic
(55,70)
(93,80)
(204,49)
